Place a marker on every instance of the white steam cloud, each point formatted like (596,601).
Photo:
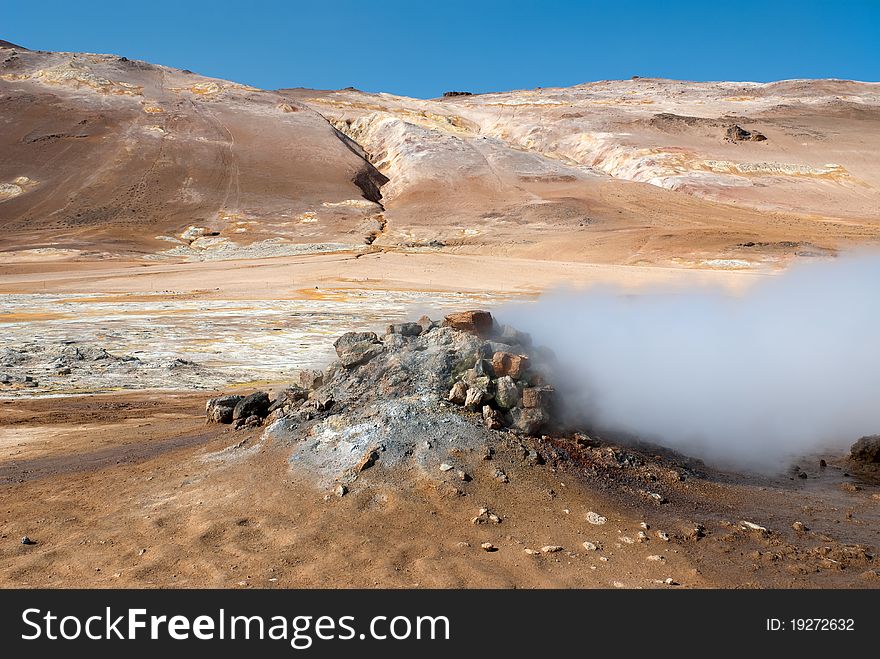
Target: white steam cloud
(788,368)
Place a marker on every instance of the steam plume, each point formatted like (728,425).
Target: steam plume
(790,367)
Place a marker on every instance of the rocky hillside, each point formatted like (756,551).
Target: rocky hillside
(106,156)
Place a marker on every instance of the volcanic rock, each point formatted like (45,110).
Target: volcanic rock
(739,134)
(529,421)
(404,329)
(505,363)
(537,397)
(355,348)
(866,449)
(478,392)
(458,393)
(220,410)
(474,322)
(506,393)
(308,378)
(257,404)
(492,418)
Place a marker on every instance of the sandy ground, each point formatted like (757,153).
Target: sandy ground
(134,490)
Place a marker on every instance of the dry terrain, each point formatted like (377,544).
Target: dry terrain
(167,237)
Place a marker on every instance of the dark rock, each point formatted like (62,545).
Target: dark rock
(528,421)
(739,134)
(27,541)
(324,402)
(483,367)
(404,329)
(867,449)
(454,93)
(220,410)
(257,404)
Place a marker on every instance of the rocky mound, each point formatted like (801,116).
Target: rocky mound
(416,392)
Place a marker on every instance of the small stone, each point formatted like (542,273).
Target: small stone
(493,420)
(475,322)
(800,527)
(458,393)
(506,393)
(501,476)
(488,546)
(590,546)
(550,549)
(142,552)
(751,526)
(669,581)
(642,537)
(595,518)
(495,519)
(367,461)
(663,535)
(625,539)
(445,466)
(505,363)
(530,552)
(656,557)
(463,475)
(27,541)
(340,490)
(462,544)
(644,526)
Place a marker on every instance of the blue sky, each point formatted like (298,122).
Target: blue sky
(425,48)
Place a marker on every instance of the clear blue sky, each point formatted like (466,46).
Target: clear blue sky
(424,48)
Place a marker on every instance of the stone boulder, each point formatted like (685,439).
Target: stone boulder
(739,134)
(528,421)
(355,348)
(507,394)
(474,322)
(867,449)
(537,397)
(506,363)
(479,392)
(458,393)
(492,418)
(289,397)
(427,324)
(308,378)
(257,404)
(220,409)
(404,329)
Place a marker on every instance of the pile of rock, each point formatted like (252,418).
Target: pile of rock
(490,368)
(500,383)
(258,408)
